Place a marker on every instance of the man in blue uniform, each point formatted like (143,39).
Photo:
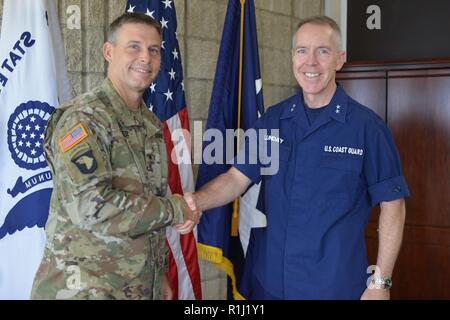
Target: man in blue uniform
(337,160)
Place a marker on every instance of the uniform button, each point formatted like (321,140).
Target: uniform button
(397,189)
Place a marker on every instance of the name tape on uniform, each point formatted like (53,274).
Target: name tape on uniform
(349,150)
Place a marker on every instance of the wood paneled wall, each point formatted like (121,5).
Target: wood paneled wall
(414,99)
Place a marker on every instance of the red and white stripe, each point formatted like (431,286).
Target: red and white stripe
(184,273)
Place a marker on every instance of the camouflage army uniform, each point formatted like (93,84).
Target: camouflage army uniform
(106,227)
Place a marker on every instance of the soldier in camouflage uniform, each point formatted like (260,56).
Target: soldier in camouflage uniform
(108,211)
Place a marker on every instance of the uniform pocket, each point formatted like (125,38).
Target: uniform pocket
(164,163)
(126,165)
(285,153)
(278,159)
(342,180)
(342,163)
(156,165)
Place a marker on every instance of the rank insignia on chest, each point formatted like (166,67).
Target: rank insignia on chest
(74,137)
(86,162)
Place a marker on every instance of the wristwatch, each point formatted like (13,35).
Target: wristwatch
(382,283)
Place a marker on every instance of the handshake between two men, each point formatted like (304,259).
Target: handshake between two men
(191,215)
(218,192)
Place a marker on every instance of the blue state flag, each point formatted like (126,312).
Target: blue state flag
(215,241)
(33,82)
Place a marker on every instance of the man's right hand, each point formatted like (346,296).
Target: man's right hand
(191,215)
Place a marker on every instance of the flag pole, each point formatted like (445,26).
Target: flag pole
(235,216)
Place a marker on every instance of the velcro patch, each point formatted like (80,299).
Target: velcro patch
(86,162)
(74,137)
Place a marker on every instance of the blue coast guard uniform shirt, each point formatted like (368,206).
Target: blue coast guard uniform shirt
(331,174)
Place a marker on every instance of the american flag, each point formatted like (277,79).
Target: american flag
(165,97)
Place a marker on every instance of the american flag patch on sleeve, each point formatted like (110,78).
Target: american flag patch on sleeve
(74,137)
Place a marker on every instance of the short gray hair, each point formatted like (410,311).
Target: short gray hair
(130,17)
(323,21)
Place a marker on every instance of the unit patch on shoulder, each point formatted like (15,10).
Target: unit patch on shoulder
(74,137)
(86,162)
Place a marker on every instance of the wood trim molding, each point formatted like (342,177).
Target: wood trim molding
(366,66)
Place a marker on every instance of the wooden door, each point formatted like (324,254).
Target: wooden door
(419,116)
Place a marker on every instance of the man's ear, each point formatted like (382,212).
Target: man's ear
(341,60)
(107,51)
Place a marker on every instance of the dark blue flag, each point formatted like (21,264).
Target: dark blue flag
(215,241)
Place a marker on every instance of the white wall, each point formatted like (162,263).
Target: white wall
(337,9)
